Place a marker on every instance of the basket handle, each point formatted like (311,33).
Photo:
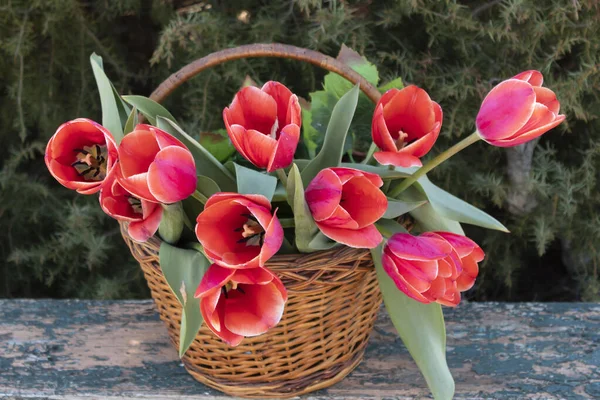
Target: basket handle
(263,50)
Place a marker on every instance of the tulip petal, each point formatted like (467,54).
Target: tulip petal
(391,269)
(253,276)
(365,238)
(323,194)
(137,185)
(283,153)
(223,196)
(163,138)
(535,78)
(345,174)
(136,152)
(462,244)
(272,240)
(398,159)
(547,97)
(236,133)
(421,146)
(380,133)
(466,280)
(294,112)
(281,95)
(146,228)
(341,219)
(215,277)
(409,111)
(258,147)
(214,323)
(172,175)
(254,110)
(255,311)
(531,134)
(418,248)
(505,110)
(364,201)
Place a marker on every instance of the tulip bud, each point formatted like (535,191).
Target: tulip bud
(171,225)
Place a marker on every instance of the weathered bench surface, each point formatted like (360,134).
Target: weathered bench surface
(51,349)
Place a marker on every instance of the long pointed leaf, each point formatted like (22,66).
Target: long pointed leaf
(333,147)
(421,328)
(206,163)
(112,109)
(183,270)
(149,108)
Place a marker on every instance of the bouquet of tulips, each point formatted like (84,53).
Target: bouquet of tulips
(222,217)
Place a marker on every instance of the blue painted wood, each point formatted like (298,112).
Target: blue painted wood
(70,349)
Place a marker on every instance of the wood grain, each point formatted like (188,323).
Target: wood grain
(69,349)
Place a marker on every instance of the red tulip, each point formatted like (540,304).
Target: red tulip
(143,216)
(405,126)
(238,303)
(155,166)
(81,154)
(518,110)
(470,254)
(238,231)
(432,267)
(345,203)
(264,125)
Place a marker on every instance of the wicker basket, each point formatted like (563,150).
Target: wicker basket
(333,296)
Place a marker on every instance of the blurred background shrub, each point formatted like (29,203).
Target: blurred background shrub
(56,244)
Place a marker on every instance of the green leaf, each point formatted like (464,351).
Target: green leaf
(250,181)
(384,172)
(451,207)
(206,163)
(395,84)
(305,226)
(335,84)
(183,270)
(397,208)
(388,227)
(149,108)
(322,242)
(218,144)
(333,147)
(421,328)
(114,112)
(207,186)
(426,215)
(131,122)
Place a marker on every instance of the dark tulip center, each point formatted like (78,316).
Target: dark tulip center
(90,162)
(136,204)
(252,232)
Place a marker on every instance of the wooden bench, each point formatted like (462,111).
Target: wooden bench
(70,349)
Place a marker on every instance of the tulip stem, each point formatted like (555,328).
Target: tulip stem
(200,197)
(434,162)
(287,222)
(282,177)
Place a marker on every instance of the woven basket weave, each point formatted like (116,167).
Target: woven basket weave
(333,296)
(332,305)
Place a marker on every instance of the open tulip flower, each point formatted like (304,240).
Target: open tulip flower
(405,126)
(518,110)
(143,216)
(264,125)
(345,203)
(428,268)
(237,303)
(155,166)
(239,231)
(81,154)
